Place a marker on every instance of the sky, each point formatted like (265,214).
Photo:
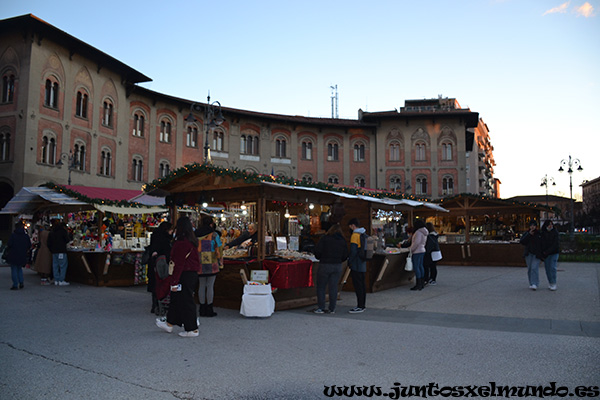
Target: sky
(530,68)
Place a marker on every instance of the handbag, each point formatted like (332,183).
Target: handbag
(436,255)
(162,268)
(409,264)
(172,263)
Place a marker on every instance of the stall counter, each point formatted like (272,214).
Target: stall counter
(101,268)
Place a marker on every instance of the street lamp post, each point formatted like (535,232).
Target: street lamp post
(213,117)
(72,163)
(545,182)
(570,164)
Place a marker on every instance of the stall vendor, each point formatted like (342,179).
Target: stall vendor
(246,239)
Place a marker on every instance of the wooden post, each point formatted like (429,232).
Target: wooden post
(261,211)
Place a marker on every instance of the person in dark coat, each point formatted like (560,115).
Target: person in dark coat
(550,251)
(251,233)
(160,245)
(184,254)
(19,246)
(57,243)
(332,251)
(431,245)
(532,240)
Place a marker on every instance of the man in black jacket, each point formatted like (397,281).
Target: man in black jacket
(57,243)
(331,251)
(532,240)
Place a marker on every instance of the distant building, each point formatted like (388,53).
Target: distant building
(591,205)
(562,218)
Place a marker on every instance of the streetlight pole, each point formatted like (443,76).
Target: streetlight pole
(73,163)
(545,182)
(570,163)
(213,117)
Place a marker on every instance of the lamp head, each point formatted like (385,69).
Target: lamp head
(580,168)
(560,169)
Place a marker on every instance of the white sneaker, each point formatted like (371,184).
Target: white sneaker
(63,283)
(189,333)
(533,287)
(552,287)
(163,325)
(56,283)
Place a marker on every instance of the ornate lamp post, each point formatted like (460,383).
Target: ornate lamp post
(570,164)
(213,117)
(545,182)
(73,163)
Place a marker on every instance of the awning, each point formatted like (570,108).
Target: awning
(30,200)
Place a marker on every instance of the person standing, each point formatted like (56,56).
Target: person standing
(160,245)
(417,249)
(19,245)
(430,266)
(251,233)
(550,251)
(43,258)
(57,243)
(211,261)
(331,251)
(358,267)
(532,240)
(184,255)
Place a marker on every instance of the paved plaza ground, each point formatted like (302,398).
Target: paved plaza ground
(478,325)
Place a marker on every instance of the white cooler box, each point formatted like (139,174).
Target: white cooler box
(257,301)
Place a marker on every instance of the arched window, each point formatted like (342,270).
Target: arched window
(51,94)
(359,181)
(4,146)
(82,104)
(394,151)
(307,178)
(8,88)
(79,157)
(249,144)
(446,151)
(48,155)
(420,152)
(333,179)
(332,151)
(306,150)
(163,169)
(105,163)
(421,185)
(137,171)
(107,114)
(280,148)
(218,138)
(165,131)
(447,186)
(138,124)
(359,152)
(192,136)
(395,183)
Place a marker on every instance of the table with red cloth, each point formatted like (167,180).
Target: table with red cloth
(289,274)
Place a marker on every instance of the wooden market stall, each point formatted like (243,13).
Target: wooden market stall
(291,277)
(480,230)
(91,262)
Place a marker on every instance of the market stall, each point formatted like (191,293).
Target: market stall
(289,217)
(479,230)
(99,254)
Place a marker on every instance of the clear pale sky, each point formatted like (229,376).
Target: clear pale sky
(530,68)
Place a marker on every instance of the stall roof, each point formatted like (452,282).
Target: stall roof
(32,199)
(201,178)
(484,205)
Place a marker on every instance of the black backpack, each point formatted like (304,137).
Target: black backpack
(367,247)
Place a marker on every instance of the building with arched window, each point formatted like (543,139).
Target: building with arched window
(122,135)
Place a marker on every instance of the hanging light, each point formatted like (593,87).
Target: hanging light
(311,206)
(205,204)
(287,213)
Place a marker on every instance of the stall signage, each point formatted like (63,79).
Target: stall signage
(259,275)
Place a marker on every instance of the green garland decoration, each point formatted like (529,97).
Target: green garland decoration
(81,197)
(250,177)
(555,210)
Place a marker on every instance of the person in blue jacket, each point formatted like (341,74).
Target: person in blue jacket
(19,246)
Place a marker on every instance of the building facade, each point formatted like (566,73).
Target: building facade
(71,113)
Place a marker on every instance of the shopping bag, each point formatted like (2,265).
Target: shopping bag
(409,264)
(436,255)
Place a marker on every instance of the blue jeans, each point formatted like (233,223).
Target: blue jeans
(328,275)
(417,260)
(16,273)
(533,264)
(551,263)
(59,266)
